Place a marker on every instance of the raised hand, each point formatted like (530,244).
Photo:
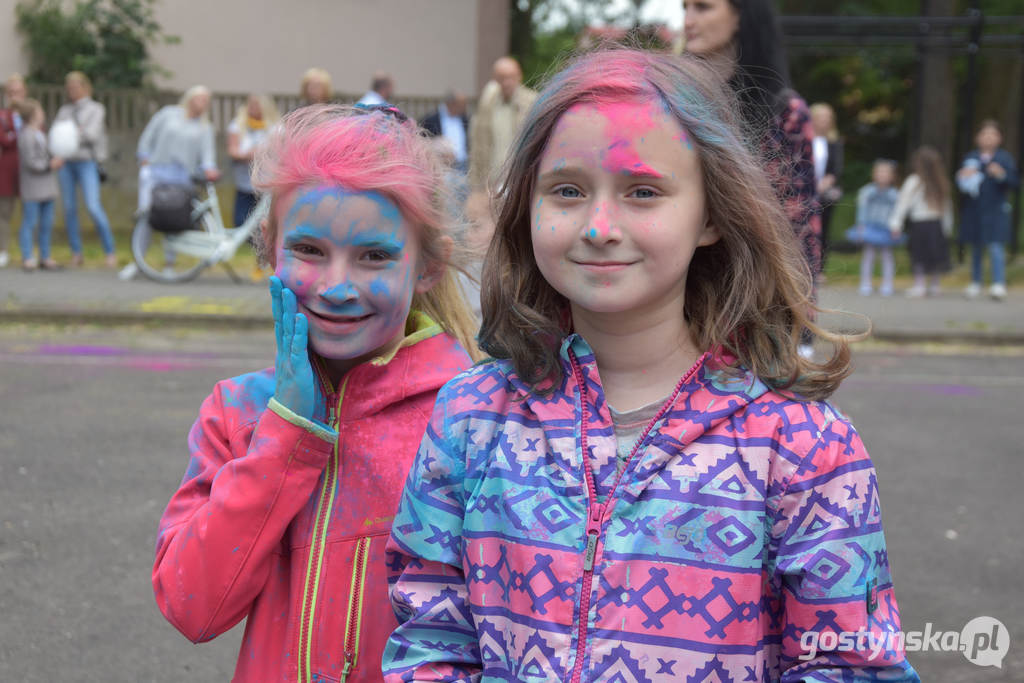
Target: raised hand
(295,385)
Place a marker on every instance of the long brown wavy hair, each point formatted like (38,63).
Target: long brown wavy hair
(928,166)
(748,294)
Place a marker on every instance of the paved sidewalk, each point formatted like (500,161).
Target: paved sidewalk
(97,296)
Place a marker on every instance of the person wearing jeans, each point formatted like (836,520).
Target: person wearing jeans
(985,179)
(81,167)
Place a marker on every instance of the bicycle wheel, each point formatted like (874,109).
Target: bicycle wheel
(168,257)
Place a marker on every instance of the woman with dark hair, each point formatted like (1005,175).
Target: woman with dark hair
(744,38)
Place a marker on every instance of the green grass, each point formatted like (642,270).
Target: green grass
(842,267)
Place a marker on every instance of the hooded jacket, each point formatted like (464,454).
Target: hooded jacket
(742,520)
(283,520)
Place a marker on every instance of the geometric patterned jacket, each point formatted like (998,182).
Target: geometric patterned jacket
(742,519)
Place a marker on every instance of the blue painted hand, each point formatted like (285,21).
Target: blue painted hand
(295,385)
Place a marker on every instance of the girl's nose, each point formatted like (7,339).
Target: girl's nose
(341,293)
(601,227)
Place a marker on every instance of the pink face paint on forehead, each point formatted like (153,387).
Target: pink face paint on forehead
(628,121)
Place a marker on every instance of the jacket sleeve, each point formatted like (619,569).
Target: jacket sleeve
(8,134)
(1012,179)
(91,124)
(862,204)
(831,569)
(208,153)
(147,141)
(436,639)
(31,154)
(219,533)
(903,203)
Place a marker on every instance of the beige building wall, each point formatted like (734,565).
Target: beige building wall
(266,45)
(11,59)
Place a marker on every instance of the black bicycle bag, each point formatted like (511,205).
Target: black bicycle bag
(170,208)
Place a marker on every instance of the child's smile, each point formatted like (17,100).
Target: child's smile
(353,262)
(618,208)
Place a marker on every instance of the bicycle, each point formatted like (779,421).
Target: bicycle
(182,256)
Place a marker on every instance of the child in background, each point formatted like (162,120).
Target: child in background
(925,204)
(296,470)
(875,204)
(37,178)
(647,483)
(985,178)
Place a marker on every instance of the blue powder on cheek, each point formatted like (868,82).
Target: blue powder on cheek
(379,288)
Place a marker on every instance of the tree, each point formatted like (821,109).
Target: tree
(106,39)
(542,32)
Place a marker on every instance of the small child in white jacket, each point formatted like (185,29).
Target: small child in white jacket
(926,205)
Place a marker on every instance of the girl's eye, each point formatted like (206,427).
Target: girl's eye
(379,256)
(644,193)
(568,192)
(305,249)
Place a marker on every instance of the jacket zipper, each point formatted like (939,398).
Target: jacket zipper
(595,518)
(319,537)
(355,607)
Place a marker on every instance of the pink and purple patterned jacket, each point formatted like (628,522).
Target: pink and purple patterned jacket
(283,521)
(741,520)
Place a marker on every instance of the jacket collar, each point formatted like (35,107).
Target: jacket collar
(423,361)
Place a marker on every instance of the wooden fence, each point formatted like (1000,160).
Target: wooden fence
(128,111)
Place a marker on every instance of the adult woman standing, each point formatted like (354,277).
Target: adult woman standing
(744,37)
(176,143)
(81,167)
(315,87)
(828,165)
(10,124)
(246,133)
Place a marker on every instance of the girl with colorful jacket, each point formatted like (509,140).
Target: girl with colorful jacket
(646,483)
(295,471)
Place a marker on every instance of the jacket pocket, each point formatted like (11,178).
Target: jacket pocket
(356,617)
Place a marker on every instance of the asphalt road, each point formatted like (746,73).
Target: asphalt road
(92,434)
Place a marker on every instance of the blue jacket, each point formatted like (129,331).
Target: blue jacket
(986,218)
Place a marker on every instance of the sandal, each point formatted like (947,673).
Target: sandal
(50,264)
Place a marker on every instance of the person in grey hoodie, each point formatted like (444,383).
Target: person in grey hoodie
(81,167)
(38,184)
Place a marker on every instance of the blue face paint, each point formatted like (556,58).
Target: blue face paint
(353,262)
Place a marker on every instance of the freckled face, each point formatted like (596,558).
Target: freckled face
(618,209)
(354,263)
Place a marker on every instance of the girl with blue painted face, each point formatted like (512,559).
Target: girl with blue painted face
(296,471)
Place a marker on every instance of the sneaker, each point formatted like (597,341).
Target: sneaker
(997,292)
(128,272)
(973,290)
(28,265)
(865,290)
(916,292)
(4,259)
(885,291)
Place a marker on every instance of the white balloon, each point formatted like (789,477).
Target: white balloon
(63,138)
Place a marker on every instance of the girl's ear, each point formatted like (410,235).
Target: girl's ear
(433,267)
(709,234)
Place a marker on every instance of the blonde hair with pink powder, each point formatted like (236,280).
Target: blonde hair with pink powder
(370,150)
